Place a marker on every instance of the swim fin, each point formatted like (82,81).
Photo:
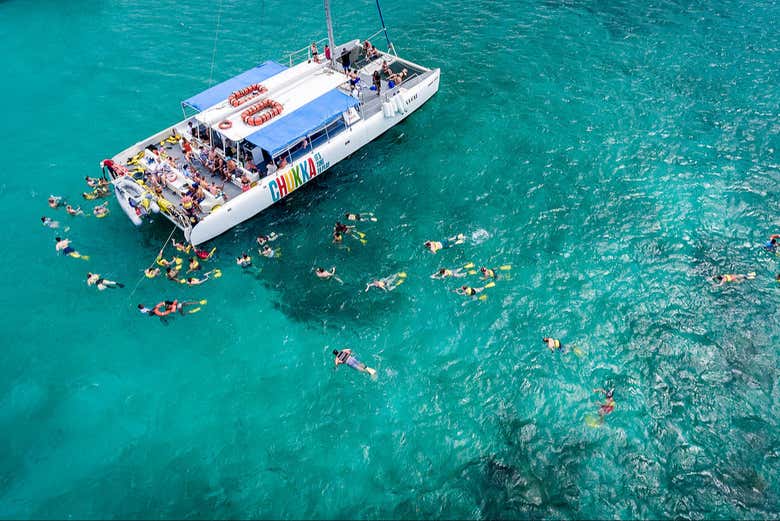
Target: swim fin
(472,272)
(402,274)
(371,371)
(360,234)
(217,273)
(469,266)
(505,267)
(84,257)
(119,284)
(373,219)
(751,275)
(190,312)
(577,351)
(489,285)
(204,302)
(483,297)
(593,420)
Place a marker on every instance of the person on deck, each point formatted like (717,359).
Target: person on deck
(345,62)
(327,52)
(377,79)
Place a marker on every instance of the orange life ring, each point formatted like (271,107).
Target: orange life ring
(159,313)
(249,116)
(247,93)
(224,125)
(171,177)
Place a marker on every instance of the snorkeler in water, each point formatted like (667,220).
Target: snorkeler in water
(269,252)
(176,261)
(63,246)
(434,246)
(244,260)
(609,403)
(771,244)
(345,357)
(204,254)
(182,247)
(194,265)
(552,343)
(55,201)
(327,274)
(262,239)
(94,279)
(468,291)
(50,223)
(172,272)
(100,210)
(736,278)
(388,283)
(362,216)
(194,281)
(74,211)
(151,272)
(443,273)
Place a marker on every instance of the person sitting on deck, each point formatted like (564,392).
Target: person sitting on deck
(372,53)
(231,167)
(271,168)
(250,165)
(246,184)
(399,77)
(283,163)
(386,68)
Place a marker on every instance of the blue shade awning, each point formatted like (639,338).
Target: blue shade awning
(291,128)
(210,97)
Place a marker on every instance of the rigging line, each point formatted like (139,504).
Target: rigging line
(151,265)
(216,37)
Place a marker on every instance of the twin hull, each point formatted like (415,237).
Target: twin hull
(275,187)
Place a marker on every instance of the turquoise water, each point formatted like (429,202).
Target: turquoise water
(616,154)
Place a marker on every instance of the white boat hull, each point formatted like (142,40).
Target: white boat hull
(276,187)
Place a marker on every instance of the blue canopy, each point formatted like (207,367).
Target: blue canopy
(279,135)
(210,97)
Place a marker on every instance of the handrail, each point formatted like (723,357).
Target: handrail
(307,50)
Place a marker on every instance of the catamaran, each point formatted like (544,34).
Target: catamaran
(250,141)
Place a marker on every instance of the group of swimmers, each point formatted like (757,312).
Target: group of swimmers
(770,246)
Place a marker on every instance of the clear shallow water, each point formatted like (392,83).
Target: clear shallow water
(617,156)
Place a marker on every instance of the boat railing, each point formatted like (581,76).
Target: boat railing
(304,54)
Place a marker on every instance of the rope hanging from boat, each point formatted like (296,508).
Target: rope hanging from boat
(152,264)
(384,28)
(216,37)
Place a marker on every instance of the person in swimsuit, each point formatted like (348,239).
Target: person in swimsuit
(180,246)
(55,201)
(736,278)
(468,291)
(100,210)
(152,272)
(487,273)
(244,260)
(552,343)
(609,403)
(341,228)
(269,252)
(50,223)
(192,281)
(172,272)
(771,244)
(63,246)
(338,238)
(443,273)
(194,265)
(364,216)
(262,239)
(176,261)
(345,357)
(74,211)
(388,283)
(94,279)
(327,274)
(434,246)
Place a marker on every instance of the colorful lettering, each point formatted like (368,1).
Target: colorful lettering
(282,186)
(274,190)
(312,168)
(290,181)
(304,166)
(296,172)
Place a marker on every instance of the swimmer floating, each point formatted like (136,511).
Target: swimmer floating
(434,246)
(388,283)
(345,357)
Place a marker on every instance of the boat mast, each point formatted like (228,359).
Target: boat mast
(331,43)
